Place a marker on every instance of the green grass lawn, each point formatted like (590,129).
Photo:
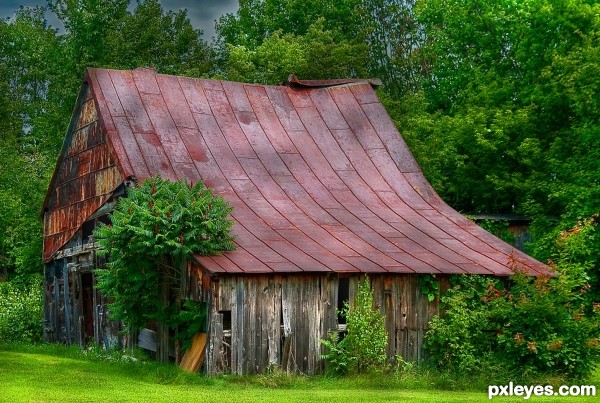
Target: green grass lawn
(56,373)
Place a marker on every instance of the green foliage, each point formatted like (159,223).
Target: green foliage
(314,55)
(336,354)
(256,20)
(164,40)
(153,231)
(21,311)
(499,228)
(546,329)
(539,325)
(510,109)
(367,337)
(191,319)
(26,60)
(429,286)
(363,347)
(461,339)
(379,38)
(392,34)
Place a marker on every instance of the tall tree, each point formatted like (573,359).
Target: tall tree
(256,20)
(27,60)
(386,28)
(314,55)
(166,40)
(394,39)
(266,40)
(506,108)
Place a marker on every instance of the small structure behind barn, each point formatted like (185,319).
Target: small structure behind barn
(324,191)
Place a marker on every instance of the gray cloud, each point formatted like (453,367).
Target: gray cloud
(202,13)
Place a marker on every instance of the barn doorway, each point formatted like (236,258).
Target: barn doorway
(343,297)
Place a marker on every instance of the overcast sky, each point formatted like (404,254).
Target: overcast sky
(202,13)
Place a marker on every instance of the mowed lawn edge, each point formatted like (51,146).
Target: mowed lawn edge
(47,377)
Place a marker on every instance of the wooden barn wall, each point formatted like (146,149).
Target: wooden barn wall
(263,321)
(84,179)
(75,312)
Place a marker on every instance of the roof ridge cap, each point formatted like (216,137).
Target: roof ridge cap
(293,81)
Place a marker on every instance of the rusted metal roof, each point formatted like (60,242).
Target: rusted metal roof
(318,175)
(84,179)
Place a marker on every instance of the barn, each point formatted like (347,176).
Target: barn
(324,191)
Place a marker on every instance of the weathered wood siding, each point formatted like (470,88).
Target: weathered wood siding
(85,177)
(407,312)
(262,321)
(74,311)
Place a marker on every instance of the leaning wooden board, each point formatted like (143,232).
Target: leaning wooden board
(194,356)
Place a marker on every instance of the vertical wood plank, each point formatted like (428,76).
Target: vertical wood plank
(329,320)
(313,304)
(215,353)
(274,321)
(237,329)
(287,300)
(67,305)
(286,306)
(402,343)
(262,306)
(299,322)
(404,301)
(420,356)
(96,319)
(388,309)
(412,345)
(411,309)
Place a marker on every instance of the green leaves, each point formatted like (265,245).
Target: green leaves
(168,218)
(537,325)
(367,337)
(429,286)
(21,312)
(153,231)
(165,40)
(363,348)
(314,55)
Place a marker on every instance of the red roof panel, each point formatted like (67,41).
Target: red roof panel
(319,177)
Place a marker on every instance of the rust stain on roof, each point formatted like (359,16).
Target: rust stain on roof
(319,177)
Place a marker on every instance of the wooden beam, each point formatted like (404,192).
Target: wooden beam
(194,356)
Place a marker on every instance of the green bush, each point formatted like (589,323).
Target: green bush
(21,313)
(536,326)
(153,232)
(336,355)
(461,339)
(544,328)
(363,348)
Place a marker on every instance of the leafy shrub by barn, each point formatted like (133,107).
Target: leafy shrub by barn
(21,310)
